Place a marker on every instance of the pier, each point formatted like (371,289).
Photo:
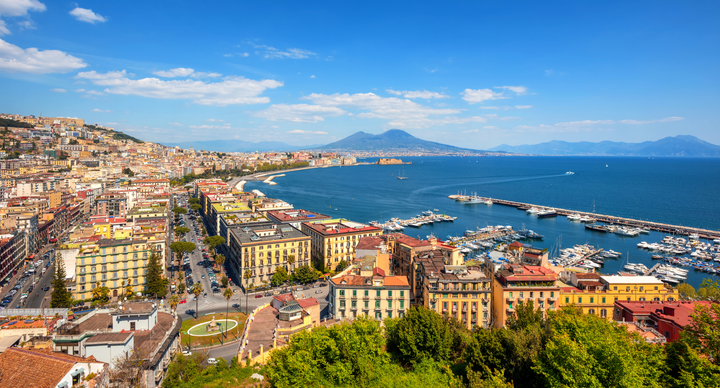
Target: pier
(651,270)
(656,226)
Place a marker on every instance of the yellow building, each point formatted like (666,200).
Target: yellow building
(335,240)
(597,294)
(515,284)
(113,263)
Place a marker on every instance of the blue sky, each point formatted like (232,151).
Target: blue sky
(471,74)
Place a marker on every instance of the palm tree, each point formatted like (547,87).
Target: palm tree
(220,260)
(227,294)
(247,276)
(291,260)
(197,289)
(174,301)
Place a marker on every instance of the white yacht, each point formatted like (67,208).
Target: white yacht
(574,217)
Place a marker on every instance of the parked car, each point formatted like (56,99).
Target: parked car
(318,291)
(212,361)
(258,296)
(186,353)
(316,285)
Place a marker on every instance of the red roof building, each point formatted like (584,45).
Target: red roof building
(668,318)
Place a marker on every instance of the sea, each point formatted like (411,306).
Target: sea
(679,191)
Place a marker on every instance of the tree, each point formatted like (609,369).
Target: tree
(195,207)
(181,288)
(227,294)
(341,266)
(181,247)
(686,367)
(686,291)
(214,241)
(127,171)
(280,276)
(420,334)
(179,210)
(709,290)
(197,289)
(174,301)
(188,187)
(129,291)
(127,370)
(220,259)
(155,283)
(181,231)
(193,200)
(703,332)
(225,282)
(184,369)
(305,274)
(291,260)
(247,275)
(60,297)
(100,294)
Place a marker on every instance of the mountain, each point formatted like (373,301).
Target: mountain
(238,146)
(393,139)
(681,145)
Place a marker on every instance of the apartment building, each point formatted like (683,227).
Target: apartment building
(295,217)
(111,204)
(261,249)
(334,240)
(377,296)
(115,264)
(596,294)
(515,284)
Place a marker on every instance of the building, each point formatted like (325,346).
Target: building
(43,369)
(294,217)
(377,296)
(111,204)
(668,318)
(334,240)
(597,295)
(261,249)
(456,290)
(514,284)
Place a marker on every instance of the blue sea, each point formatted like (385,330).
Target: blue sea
(681,191)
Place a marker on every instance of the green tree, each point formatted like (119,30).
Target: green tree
(341,266)
(196,206)
(181,231)
(60,297)
(709,290)
(247,275)
(228,293)
(220,259)
(686,291)
(127,171)
(155,282)
(182,247)
(291,260)
(420,334)
(183,369)
(225,282)
(179,210)
(197,289)
(280,276)
(100,294)
(193,200)
(686,367)
(181,288)
(305,274)
(174,301)
(703,332)
(214,241)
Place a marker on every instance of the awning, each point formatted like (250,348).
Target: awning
(8,341)
(79,371)
(63,384)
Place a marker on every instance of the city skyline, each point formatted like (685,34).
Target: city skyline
(473,76)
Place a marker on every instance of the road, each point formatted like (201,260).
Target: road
(38,281)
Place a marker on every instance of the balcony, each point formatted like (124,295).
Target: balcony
(511,309)
(552,299)
(510,299)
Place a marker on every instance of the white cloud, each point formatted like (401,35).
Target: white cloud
(519,90)
(201,74)
(176,124)
(424,94)
(58,90)
(172,73)
(584,123)
(12,8)
(225,126)
(300,131)
(292,53)
(472,131)
(215,120)
(480,95)
(665,120)
(236,55)
(403,113)
(87,15)
(79,90)
(523,106)
(490,127)
(14,59)
(95,93)
(229,91)
(101,110)
(312,76)
(27,25)
(299,113)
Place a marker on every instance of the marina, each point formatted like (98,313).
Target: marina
(612,221)
(427,217)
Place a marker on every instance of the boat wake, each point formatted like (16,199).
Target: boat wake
(466,184)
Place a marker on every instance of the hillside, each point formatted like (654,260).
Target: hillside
(10,123)
(679,146)
(393,139)
(238,146)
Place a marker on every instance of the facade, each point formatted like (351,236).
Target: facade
(377,296)
(116,264)
(515,284)
(295,217)
(334,240)
(458,291)
(261,249)
(667,318)
(111,205)
(597,295)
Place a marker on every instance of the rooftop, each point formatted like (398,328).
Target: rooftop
(296,215)
(262,233)
(47,368)
(339,226)
(616,279)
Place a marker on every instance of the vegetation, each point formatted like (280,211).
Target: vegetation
(127,171)
(182,247)
(100,294)
(61,297)
(197,290)
(196,206)
(181,231)
(245,170)
(192,372)
(179,210)
(279,277)
(155,283)
(213,241)
(10,123)
(305,274)
(124,136)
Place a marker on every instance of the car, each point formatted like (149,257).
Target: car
(258,296)
(182,301)
(318,291)
(202,276)
(195,298)
(46,288)
(186,353)
(316,285)
(212,361)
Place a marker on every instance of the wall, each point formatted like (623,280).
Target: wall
(108,352)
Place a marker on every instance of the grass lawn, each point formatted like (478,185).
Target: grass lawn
(233,334)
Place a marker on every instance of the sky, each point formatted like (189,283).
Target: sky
(474,74)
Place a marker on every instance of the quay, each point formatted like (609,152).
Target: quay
(656,226)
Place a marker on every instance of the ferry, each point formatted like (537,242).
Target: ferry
(547,213)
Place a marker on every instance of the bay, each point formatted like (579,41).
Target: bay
(680,191)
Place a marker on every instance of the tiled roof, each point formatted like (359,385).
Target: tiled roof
(36,369)
(308,302)
(135,308)
(109,338)
(370,242)
(284,297)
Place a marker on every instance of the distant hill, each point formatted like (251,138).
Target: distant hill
(681,145)
(238,146)
(393,139)
(10,123)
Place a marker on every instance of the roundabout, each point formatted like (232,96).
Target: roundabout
(205,329)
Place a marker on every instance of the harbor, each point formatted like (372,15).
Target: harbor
(612,221)
(427,217)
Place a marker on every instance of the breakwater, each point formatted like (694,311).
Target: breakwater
(656,226)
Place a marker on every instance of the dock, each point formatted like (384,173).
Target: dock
(651,270)
(655,226)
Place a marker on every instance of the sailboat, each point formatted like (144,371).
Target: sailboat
(402,176)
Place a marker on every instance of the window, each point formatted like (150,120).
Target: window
(541,294)
(603,300)
(402,294)
(367,293)
(580,299)
(377,293)
(402,304)
(552,294)
(389,304)
(511,294)
(367,305)
(389,293)
(592,300)
(377,304)
(132,325)
(389,314)
(521,295)
(531,294)
(342,292)
(342,304)
(567,300)
(603,313)
(354,304)
(641,288)
(354,292)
